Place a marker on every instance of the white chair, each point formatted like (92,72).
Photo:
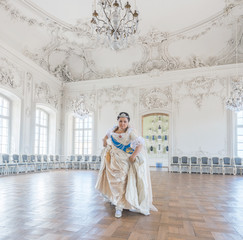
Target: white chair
(70,161)
(39,164)
(205,166)
(32,163)
(58,161)
(78,162)
(98,162)
(13,164)
(228,167)
(4,164)
(216,166)
(23,164)
(185,165)
(51,164)
(238,165)
(175,165)
(194,165)
(45,162)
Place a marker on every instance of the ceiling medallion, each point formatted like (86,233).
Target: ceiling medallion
(114,22)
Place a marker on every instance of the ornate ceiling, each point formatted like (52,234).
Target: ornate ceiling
(173,35)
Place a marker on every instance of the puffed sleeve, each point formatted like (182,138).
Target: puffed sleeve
(135,139)
(110,131)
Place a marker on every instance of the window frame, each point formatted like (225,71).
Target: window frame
(9,122)
(236,133)
(83,129)
(41,126)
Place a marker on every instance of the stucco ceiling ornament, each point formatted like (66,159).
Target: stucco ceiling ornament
(234,45)
(154,46)
(154,36)
(61,46)
(196,31)
(156,56)
(43,94)
(155,98)
(63,70)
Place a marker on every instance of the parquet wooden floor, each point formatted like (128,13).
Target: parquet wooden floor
(63,205)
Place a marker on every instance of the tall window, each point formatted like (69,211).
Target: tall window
(4,125)
(83,135)
(41,131)
(239,134)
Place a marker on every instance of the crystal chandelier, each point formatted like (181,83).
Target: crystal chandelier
(235,101)
(79,108)
(114,22)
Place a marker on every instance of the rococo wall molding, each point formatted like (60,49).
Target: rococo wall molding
(84,101)
(199,89)
(200,153)
(43,95)
(155,98)
(10,75)
(115,95)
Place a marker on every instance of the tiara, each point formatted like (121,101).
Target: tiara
(122,115)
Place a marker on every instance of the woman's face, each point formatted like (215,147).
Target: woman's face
(122,123)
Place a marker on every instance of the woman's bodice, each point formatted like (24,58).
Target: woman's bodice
(127,137)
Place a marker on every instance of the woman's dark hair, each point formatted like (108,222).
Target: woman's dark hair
(123,114)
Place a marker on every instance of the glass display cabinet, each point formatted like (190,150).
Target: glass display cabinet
(156,133)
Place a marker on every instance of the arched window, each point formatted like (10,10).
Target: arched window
(239,134)
(41,131)
(5,124)
(82,135)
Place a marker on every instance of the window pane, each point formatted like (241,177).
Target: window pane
(240,146)
(82,135)
(4,124)
(41,132)
(240,121)
(240,138)
(240,114)
(239,132)
(240,154)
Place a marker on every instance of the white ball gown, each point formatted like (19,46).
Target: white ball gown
(126,185)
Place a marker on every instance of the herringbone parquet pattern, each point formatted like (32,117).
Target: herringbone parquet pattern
(63,205)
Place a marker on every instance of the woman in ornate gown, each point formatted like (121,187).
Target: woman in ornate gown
(124,177)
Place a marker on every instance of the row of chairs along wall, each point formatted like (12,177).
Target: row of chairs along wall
(16,163)
(210,165)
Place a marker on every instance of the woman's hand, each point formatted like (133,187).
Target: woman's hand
(104,143)
(132,159)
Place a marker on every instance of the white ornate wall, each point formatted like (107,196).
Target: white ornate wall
(194,99)
(22,80)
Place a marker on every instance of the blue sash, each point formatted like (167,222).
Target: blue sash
(125,148)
